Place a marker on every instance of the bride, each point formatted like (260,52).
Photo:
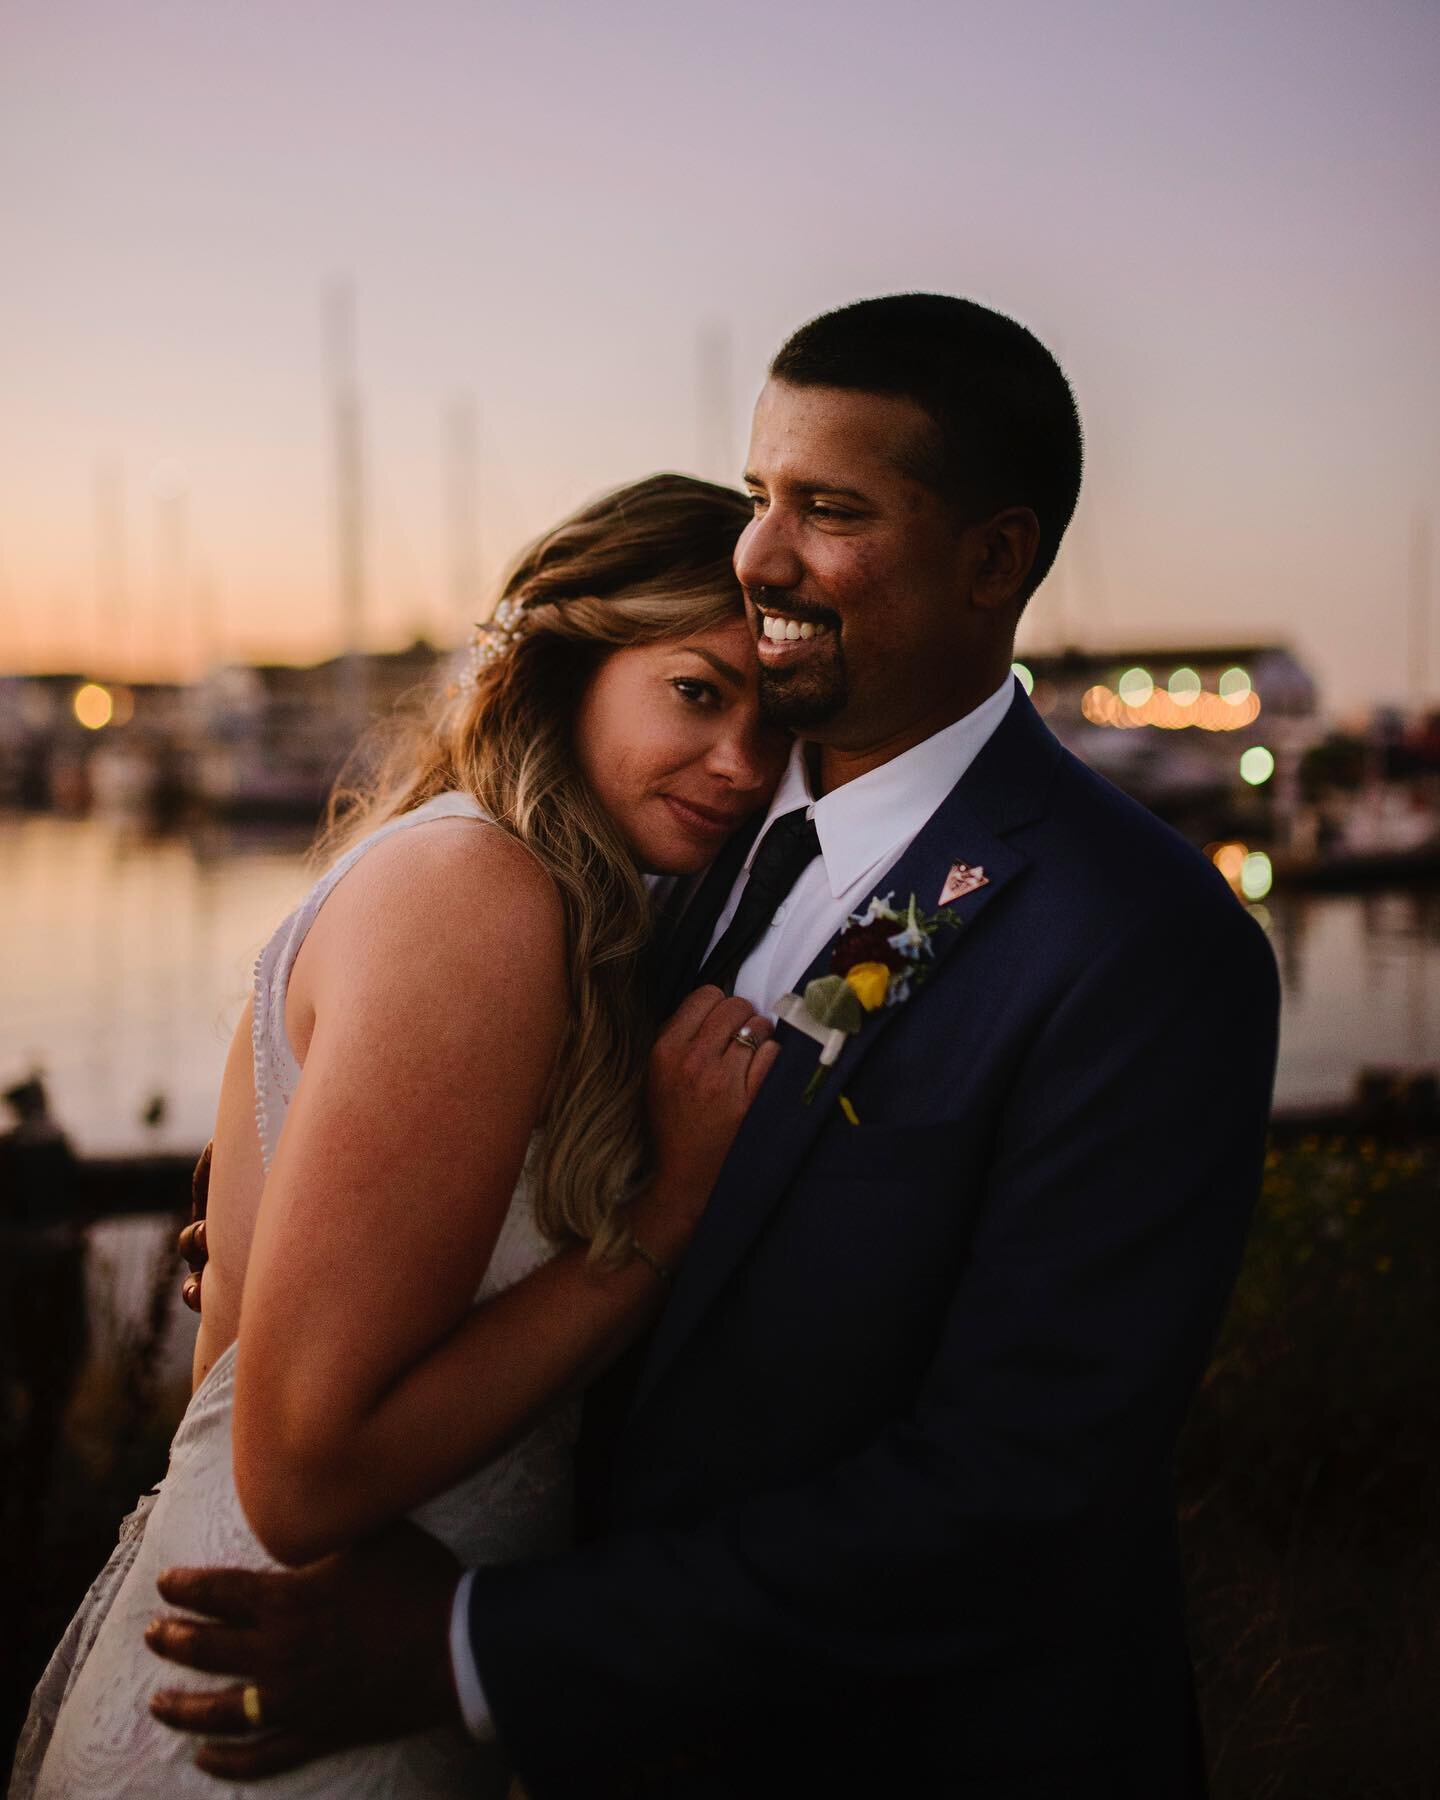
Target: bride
(443,1073)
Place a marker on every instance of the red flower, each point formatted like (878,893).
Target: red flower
(868,944)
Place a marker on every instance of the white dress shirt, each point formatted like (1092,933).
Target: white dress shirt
(864,828)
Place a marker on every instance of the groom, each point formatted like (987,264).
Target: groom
(884,1504)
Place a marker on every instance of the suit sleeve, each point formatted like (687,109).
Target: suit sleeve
(1115,1205)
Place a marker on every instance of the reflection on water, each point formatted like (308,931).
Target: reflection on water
(127,959)
(1361,981)
(127,962)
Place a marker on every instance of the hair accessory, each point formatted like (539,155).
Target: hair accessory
(492,639)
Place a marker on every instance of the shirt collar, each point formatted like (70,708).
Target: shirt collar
(863,822)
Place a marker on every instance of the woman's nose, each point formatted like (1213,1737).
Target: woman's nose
(764,556)
(744,756)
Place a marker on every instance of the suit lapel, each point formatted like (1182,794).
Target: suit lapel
(1005,788)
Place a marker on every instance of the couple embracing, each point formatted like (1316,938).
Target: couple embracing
(722,1334)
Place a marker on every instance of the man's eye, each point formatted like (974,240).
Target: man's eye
(758,501)
(819,510)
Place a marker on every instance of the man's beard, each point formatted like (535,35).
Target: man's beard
(799,699)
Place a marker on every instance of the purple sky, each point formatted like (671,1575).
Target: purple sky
(1221,218)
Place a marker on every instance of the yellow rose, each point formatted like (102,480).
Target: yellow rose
(869,982)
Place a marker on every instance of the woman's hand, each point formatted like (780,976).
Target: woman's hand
(706,1068)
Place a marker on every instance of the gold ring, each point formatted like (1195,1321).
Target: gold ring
(251,1707)
(743,1036)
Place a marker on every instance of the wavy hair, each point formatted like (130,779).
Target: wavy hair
(646,562)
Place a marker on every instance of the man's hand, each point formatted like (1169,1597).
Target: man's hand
(192,1245)
(349,1650)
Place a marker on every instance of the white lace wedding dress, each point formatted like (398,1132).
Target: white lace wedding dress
(89,1733)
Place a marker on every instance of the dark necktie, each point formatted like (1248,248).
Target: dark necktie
(787,848)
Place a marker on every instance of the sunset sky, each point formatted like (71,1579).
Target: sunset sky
(1222,218)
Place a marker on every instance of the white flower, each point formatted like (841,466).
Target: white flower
(878,909)
(914,940)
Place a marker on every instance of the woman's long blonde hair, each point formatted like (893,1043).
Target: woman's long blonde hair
(646,562)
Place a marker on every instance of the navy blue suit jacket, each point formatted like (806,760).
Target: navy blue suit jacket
(890,1508)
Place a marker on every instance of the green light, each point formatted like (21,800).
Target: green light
(1256,875)
(1023,676)
(1233,686)
(1256,765)
(1185,686)
(1135,687)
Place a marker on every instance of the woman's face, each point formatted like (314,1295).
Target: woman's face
(669,737)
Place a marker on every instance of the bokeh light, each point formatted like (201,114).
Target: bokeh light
(93,706)
(1233,686)
(1207,712)
(1023,676)
(1256,875)
(1257,764)
(1184,686)
(1135,687)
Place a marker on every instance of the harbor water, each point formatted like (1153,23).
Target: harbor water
(127,955)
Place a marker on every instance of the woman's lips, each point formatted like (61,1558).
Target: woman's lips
(703,819)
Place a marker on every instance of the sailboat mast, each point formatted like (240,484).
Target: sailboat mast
(347,442)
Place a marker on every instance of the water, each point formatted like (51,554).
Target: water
(127,959)
(126,963)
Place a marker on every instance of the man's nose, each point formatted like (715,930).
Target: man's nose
(765,555)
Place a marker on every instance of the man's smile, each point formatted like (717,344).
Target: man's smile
(782,630)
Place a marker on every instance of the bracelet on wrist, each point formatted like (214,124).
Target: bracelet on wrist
(636,1248)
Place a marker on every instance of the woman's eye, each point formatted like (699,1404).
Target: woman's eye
(697,693)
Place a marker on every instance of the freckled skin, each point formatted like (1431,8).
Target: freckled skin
(923,605)
(659,723)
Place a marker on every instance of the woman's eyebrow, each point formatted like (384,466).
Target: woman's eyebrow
(718,664)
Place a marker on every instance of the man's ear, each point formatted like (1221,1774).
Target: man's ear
(1011,542)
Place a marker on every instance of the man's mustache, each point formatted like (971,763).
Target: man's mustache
(782,601)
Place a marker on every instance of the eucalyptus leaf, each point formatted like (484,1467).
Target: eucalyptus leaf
(833,1002)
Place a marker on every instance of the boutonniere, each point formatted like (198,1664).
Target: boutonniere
(879,959)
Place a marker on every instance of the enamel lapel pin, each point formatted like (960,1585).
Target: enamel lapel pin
(962,879)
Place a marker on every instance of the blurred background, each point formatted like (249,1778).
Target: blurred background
(310,315)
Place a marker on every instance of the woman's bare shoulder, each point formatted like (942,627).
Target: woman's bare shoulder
(444,900)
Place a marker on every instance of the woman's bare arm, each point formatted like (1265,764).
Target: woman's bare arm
(438,999)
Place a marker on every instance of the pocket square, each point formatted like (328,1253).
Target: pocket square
(962,879)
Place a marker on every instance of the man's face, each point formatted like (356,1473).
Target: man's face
(856,574)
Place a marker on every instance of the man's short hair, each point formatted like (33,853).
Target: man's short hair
(1007,432)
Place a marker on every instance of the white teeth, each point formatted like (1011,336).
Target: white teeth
(787,631)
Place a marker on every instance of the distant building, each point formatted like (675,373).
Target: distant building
(271,737)
(1173,725)
(267,738)
(55,729)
